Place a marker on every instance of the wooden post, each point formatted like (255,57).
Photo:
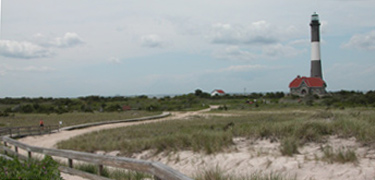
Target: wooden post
(70,162)
(29,154)
(10,132)
(16,149)
(100,169)
(5,151)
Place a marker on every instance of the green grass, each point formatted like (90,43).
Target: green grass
(31,169)
(69,119)
(218,174)
(341,155)
(289,146)
(117,174)
(209,135)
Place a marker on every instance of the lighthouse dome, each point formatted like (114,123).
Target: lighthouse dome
(315,17)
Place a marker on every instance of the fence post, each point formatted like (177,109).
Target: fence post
(10,132)
(100,169)
(70,162)
(29,154)
(5,151)
(16,149)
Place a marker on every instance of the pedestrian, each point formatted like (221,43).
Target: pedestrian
(41,123)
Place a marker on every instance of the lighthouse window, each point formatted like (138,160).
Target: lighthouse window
(315,17)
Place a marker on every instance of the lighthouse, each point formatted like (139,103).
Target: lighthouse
(313,85)
(316,65)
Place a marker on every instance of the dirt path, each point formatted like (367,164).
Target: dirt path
(50,140)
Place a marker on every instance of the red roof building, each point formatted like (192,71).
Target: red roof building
(217,92)
(302,86)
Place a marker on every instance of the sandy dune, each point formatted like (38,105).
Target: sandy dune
(246,157)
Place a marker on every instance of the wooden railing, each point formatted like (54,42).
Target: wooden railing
(158,170)
(27,130)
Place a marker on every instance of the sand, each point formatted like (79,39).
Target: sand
(247,156)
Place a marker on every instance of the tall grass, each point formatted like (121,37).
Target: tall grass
(341,155)
(210,135)
(289,146)
(219,174)
(117,174)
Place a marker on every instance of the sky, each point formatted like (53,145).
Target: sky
(76,48)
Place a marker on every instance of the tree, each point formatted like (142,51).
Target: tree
(198,92)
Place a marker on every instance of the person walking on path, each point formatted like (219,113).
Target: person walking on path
(41,124)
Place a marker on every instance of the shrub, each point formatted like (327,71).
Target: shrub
(289,146)
(212,174)
(92,169)
(218,174)
(342,155)
(45,170)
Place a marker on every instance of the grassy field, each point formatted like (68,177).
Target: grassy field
(292,127)
(69,119)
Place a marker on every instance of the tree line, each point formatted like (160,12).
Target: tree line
(191,101)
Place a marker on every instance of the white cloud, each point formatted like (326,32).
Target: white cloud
(235,53)
(114,60)
(300,42)
(6,68)
(36,69)
(242,68)
(362,41)
(267,52)
(259,32)
(41,47)
(69,40)
(151,41)
(280,50)
(23,50)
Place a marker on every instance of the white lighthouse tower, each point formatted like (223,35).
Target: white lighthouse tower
(316,65)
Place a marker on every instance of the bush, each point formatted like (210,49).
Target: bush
(219,174)
(289,146)
(46,169)
(341,155)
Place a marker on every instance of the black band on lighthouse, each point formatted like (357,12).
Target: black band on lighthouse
(315,31)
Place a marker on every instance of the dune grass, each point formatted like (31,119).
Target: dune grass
(212,135)
(117,174)
(340,155)
(69,119)
(219,174)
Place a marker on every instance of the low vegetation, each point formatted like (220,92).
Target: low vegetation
(69,119)
(118,174)
(218,174)
(341,155)
(214,134)
(44,170)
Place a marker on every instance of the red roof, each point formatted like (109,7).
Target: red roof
(309,81)
(219,91)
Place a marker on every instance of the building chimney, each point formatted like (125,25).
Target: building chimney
(316,66)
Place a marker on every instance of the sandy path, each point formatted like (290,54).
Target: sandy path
(50,140)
